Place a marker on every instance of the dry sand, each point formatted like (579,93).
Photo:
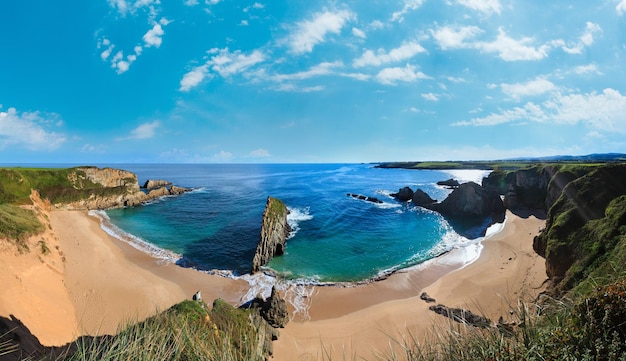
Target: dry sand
(363,321)
(103,283)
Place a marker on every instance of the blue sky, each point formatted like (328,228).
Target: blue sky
(207,81)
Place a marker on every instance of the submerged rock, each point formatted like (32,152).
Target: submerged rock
(274,232)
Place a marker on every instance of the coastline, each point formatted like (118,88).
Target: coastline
(107,282)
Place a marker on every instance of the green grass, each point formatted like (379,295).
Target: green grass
(17,224)
(59,185)
(187,331)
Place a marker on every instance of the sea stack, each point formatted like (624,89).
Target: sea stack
(274,232)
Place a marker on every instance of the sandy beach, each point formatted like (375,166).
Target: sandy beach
(91,283)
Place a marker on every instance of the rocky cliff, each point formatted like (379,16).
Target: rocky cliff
(586,216)
(470,209)
(102,188)
(274,232)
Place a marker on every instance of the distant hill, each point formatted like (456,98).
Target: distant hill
(596,157)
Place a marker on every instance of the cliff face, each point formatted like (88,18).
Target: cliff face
(117,188)
(583,224)
(274,232)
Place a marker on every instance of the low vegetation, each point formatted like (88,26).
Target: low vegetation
(17,224)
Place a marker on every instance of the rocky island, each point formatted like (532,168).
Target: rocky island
(274,232)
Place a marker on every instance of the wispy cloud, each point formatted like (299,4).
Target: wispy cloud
(401,53)
(408,74)
(600,111)
(308,33)
(222,62)
(143,131)
(533,87)
(621,7)
(430,97)
(485,6)
(409,5)
(194,77)
(260,153)
(30,130)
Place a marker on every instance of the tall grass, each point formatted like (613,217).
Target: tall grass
(188,331)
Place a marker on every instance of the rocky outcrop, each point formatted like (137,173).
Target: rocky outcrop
(364,198)
(274,232)
(273,309)
(151,184)
(462,316)
(106,188)
(470,200)
(404,194)
(449,183)
(420,198)
(106,177)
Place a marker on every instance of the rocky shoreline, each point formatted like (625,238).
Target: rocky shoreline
(124,187)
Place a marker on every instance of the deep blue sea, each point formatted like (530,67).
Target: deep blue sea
(336,238)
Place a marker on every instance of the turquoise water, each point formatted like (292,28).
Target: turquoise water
(336,237)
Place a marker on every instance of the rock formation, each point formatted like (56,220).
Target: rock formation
(273,309)
(462,316)
(404,194)
(470,200)
(420,198)
(450,183)
(364,198)
(274,232)
(115,188)
(151,184)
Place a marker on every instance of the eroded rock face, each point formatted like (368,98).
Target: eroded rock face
(273,310)
(470,200)
(120,188)
(274,232)
(420,198)
(151,184)
(404,194)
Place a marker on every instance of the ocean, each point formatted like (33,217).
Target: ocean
(335,237)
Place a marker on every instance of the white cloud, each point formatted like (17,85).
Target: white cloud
(154,36)
(28,129)
(292,88)
(244,23)
(122,66)
(358,33)
(430,97)
(194,77)
(143,131)
(585,40)
(449,37)
(404,52)
(260,153)
(223,156)
(600,111)
(309,33)
(226,63)
(409,5)
(510,49)
(324,68)
(533,87)
(408,74)
(621,7)
(191,2)
(586,69)
(222,62)
(126,6)
(105,54)
(486,6)
(256,5)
